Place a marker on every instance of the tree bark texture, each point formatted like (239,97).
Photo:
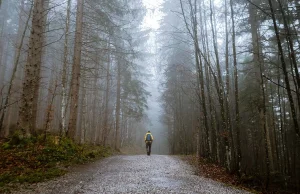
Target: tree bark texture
(28,108)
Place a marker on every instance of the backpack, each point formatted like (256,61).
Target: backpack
(148,138)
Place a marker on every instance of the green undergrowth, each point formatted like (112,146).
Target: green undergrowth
(36,159)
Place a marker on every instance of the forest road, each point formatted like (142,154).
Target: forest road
(133,174)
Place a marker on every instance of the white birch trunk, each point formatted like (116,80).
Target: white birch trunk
(64,72)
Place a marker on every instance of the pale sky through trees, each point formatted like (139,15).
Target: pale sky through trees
(153,16)
(152,21)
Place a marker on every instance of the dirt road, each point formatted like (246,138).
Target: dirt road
(133,174)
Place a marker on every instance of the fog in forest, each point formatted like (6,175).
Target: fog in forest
(214,79)
(155,112)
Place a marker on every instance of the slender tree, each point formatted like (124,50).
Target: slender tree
(64,71)
(75,80)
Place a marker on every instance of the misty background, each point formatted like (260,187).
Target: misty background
(154,113)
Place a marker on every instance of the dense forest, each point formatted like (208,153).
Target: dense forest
(73,68)
(230,89)
(229,84)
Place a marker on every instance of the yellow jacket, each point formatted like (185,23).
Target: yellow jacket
(146,136)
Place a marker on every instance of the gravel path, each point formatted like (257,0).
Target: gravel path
(132,174)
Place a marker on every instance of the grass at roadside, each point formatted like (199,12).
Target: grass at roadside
(36,159)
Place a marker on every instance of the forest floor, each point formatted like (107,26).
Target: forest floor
(218,173)
(131,174)
(28,161)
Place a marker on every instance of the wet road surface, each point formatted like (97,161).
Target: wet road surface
(133,174)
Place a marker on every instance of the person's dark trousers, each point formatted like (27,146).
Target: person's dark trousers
(148,147)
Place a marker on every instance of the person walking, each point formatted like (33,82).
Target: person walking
(148,140)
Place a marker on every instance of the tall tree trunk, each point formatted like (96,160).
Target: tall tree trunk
(37,91)
(64,72)
(220,93)
(214,132)
(227,66)
(236,93)
(263,118)
(104,134)
(75,80)
(281,124)
(118,106)
(29,99)
(94,109)
(199,65)
(83,112)
(259,70)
